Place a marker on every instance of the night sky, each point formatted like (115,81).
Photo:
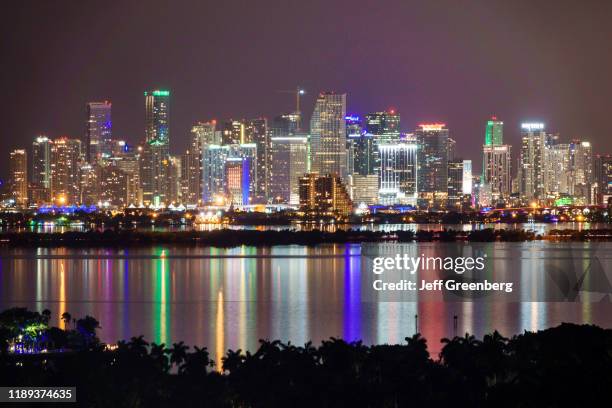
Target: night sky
(444,60)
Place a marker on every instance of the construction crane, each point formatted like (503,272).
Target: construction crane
(298,91)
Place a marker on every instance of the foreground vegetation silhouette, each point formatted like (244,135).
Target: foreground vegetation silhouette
(569,365)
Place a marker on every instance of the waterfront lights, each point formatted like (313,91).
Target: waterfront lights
(61,199)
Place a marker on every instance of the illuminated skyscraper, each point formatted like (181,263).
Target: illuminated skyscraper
(191,177)
(66,157)
(256,132)
(234,132)
(248,152)
(155,155)
(328,135)
(153,173)
(532,161)
(157,117)
(385,126)
(581,162)
(496,170)
(213,176)
(18,181)
(98,133)
(603,177)
(285,125)
(114,187)
(191,180)
(398,173)
(432,159)
(237,180)
(459,183)
(89,188)
(289,161)
(557,169)
(494,134)
(41,162)
(129,163)
(364,157)
(204,133)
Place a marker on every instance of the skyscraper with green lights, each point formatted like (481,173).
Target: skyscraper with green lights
(157,116)
(156,151)
(494,135)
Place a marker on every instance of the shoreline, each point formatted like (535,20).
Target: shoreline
(232,238)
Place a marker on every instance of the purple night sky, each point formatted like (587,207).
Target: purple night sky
(443,60)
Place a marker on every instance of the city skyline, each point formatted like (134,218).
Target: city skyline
(513,134)
(346,161)
(426,71)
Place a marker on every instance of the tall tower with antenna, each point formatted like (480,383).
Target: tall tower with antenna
(298,91)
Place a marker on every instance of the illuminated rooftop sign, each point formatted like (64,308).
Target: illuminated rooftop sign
(158,92)
(530,127)
(427,127)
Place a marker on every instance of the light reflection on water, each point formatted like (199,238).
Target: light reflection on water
(231,298)
(537,227)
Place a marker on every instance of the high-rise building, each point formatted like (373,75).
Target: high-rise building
(66,158)
(603,177)
(468,178)
(41,162)
(155,154)
(219,162)
(289,162)
(364,158)
(114,187)
(173,179)
(129,164)
(153,173)
(494,134)
(328,135)
(157,117)
(18,182)
(532,162)
(237,181)
(248,151)
(324,195)
(234,132)
(432,159)
(459,183)
(285,125)
(558,169)
(580,165)
(98,132)
(398,173)
(256,132)
(213,176)
(385,126)
(496,169)
(89,188)
(191,177)
(204,133)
